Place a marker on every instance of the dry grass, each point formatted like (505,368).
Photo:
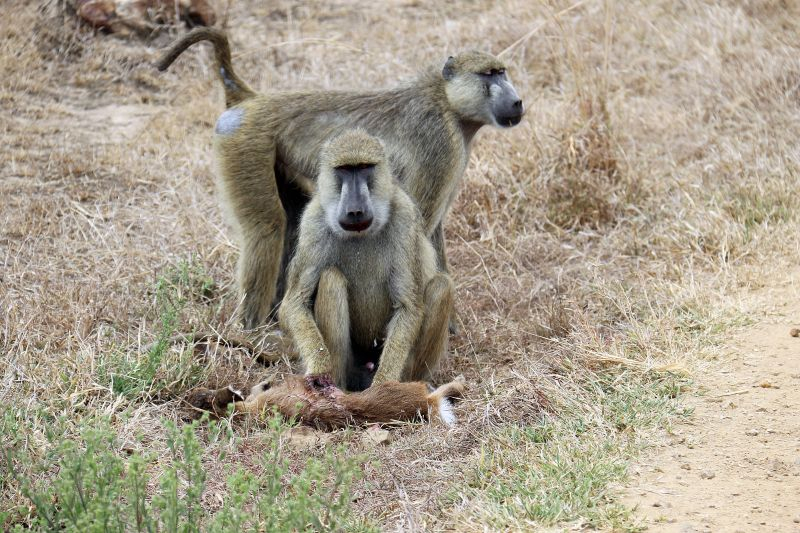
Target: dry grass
(595,247)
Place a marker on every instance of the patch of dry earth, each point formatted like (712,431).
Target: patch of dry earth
(735,466)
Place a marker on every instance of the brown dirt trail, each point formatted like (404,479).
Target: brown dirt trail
(735,466)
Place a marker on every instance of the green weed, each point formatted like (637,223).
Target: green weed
(160,371)
(90,485)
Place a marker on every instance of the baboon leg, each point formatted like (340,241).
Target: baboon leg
(294,200)
(257,273)
(289,246)
(432,342)
(332,315)
(250,188)
(437,239)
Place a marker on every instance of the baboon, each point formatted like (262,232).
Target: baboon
(316,401)
(364,274)
(267,146)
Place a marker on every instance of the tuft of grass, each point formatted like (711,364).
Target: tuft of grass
(161,371)
(754,206)
(587,189)
(562,469)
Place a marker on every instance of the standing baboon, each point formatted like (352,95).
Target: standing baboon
(364,273)
(267,146)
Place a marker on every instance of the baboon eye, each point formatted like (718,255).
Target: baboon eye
(491,73)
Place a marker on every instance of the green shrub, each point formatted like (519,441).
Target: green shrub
(160,371)
(88,485)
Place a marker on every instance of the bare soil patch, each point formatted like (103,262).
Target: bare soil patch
(735,465)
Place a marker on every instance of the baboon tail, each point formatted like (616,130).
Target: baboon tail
(236,90)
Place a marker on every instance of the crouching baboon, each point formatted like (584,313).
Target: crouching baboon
(267,146)
(364,273)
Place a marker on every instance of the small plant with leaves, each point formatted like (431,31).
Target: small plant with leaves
(161,371)
(96,488)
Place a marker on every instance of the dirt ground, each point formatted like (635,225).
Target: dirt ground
(735,465)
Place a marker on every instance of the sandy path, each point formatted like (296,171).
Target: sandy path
(735,466)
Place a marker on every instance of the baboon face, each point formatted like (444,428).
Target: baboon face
(355,187)
(478,88)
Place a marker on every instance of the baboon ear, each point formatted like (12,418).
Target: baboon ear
(449,68)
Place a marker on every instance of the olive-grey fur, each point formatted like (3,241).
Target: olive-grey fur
(346,292)
(269,163)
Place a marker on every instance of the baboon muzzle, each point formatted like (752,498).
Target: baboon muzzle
(508,108)
(510,114)
(355,212)
(355,221)
(514,115)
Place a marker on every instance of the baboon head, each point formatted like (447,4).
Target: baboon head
(479,90)
(354,185)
